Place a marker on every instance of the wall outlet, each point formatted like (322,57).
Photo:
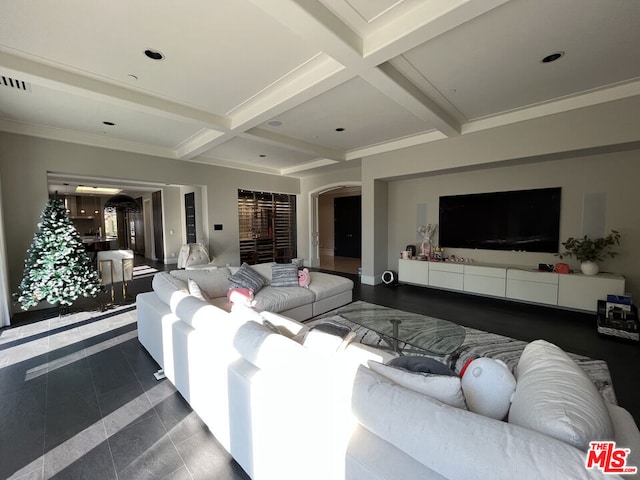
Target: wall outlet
(173,254)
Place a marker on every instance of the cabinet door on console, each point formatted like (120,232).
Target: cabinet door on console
(583,291)
(532,286)
(485,280)
(413,271)
(446,275)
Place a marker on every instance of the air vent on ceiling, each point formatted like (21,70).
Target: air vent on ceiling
(13,83)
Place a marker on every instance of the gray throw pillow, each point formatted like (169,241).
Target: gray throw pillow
(284,275)
(419,364)
(246,277)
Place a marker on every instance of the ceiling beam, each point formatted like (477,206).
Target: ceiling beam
(368,57)
(88,87)
(276,139)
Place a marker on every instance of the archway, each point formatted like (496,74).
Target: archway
(315,221)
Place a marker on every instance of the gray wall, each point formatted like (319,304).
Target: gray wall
(588,150)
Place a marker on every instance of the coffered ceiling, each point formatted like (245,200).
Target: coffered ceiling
(293,86)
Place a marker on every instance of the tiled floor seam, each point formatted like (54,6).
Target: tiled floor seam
(161,422)
(104,427)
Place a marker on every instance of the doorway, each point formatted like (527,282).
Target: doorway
(338,211)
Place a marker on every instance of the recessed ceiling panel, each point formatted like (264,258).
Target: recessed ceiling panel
(247,152)
(217,54)
(43,106)
(493,63)
(367,116)
(364,16)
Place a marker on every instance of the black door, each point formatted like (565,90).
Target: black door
(347,215)
(158,239)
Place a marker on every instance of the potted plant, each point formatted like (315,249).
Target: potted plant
(589,251)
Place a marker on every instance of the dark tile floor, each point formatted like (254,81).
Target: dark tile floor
(79,399)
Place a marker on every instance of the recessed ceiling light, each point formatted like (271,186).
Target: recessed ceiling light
(132,76)
(552,57)
(111,124)
(274,123)
(154,54)
(339,129)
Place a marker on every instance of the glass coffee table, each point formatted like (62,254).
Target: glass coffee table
(429,334)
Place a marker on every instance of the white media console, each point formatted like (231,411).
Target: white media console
(572,291)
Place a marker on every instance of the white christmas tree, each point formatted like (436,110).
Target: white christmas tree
(57,268)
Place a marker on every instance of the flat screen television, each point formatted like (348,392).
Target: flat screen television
(521,220)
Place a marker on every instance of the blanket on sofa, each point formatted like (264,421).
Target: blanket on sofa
(477,343)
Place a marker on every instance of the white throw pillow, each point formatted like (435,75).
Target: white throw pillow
(195,290)
(444,388)
(555,396)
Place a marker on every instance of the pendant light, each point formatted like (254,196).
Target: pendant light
(123,203)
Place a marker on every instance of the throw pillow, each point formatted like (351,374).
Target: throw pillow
(328,337)
(247,277)
(284,275)
(419,364)
(444,388)
(304,278)
(196,291)
(555,396)
(241,296)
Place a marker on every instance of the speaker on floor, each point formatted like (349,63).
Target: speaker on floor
(390,278)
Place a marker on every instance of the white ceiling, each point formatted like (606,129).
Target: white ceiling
(391,73)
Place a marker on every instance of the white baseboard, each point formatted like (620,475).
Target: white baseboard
(371,280)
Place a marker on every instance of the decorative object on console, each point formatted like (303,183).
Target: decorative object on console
(589,251)
(488,387)
(426,232)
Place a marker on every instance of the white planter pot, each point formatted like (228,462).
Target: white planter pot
(589,268)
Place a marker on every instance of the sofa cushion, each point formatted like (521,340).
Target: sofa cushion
(284,275)
(324,285)
(169,289)
(281,299)
(556,397)
(198,314)
(267,350)
(445,388)
(214,283)
(457,443)
(196,291)
(247,277)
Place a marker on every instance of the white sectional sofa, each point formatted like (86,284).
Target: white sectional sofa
(289,411)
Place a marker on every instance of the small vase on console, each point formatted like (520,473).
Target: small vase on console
(589,268)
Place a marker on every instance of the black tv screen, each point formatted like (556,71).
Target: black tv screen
(522,220)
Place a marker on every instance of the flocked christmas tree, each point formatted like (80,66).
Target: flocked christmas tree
(57,268)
